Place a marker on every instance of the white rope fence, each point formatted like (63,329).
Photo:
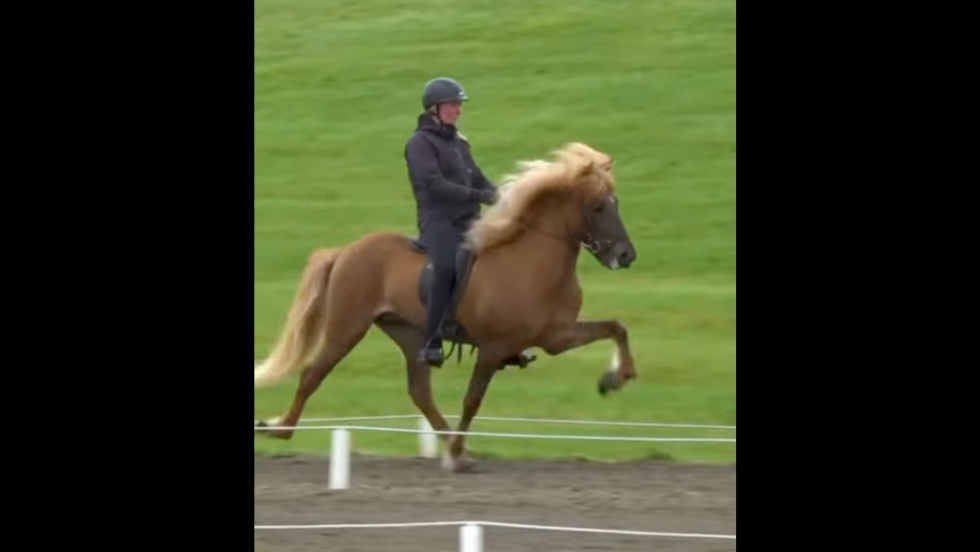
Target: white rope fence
(429,441)
(530,420)
(471,532)
(429,430)
(340,448)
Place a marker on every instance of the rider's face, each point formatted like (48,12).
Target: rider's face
(449,112)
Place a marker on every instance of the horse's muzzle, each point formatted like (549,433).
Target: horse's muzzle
(623,255)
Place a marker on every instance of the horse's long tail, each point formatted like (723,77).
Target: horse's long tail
(305,331)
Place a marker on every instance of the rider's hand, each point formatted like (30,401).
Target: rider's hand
(488,197)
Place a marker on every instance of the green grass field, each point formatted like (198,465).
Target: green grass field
(337,88)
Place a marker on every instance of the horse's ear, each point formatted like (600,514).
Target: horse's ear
(589,168)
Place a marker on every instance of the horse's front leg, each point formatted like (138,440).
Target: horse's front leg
(576,334)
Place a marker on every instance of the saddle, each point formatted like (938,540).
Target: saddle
(451,329)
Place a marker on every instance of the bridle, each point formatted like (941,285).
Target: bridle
(588,241)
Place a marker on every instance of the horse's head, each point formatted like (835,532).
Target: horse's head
(570,198)
(605,234)
(603,231)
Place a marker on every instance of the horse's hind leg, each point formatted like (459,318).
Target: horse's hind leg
(341,339)
(487,364)
(409,339)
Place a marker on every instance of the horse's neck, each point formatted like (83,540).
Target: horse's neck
(550,260)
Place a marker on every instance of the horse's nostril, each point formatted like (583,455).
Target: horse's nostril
(626,257)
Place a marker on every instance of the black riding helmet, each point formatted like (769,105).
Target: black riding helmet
(440,90)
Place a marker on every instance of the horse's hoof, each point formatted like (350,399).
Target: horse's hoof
(268,429)
(464,463)
(459,464)
(448,462)
(271,422)
(608,382)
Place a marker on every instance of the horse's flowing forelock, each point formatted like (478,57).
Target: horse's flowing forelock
(518,191)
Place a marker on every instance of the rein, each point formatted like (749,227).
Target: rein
(588,241)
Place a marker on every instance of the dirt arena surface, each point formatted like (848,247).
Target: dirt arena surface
(644,496)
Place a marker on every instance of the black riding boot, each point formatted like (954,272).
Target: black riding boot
(439,296)
(442,241)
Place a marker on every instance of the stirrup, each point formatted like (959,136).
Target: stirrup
(522,360)
(431,353)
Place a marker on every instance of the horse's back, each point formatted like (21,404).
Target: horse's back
(385,243)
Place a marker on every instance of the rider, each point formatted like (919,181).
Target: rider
(449,188)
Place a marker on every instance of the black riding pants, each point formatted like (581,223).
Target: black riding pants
(442,241)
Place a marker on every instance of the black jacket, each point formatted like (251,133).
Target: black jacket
(446,181)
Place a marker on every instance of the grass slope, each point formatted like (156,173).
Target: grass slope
(337,89)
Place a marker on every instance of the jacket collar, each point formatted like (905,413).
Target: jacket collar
(430,123)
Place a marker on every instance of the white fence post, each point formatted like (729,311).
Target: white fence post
(340,459)
(428,440)
(470,538)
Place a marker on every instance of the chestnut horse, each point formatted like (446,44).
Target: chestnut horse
(520,291)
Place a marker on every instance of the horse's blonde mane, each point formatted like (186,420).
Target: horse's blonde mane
(575,167)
